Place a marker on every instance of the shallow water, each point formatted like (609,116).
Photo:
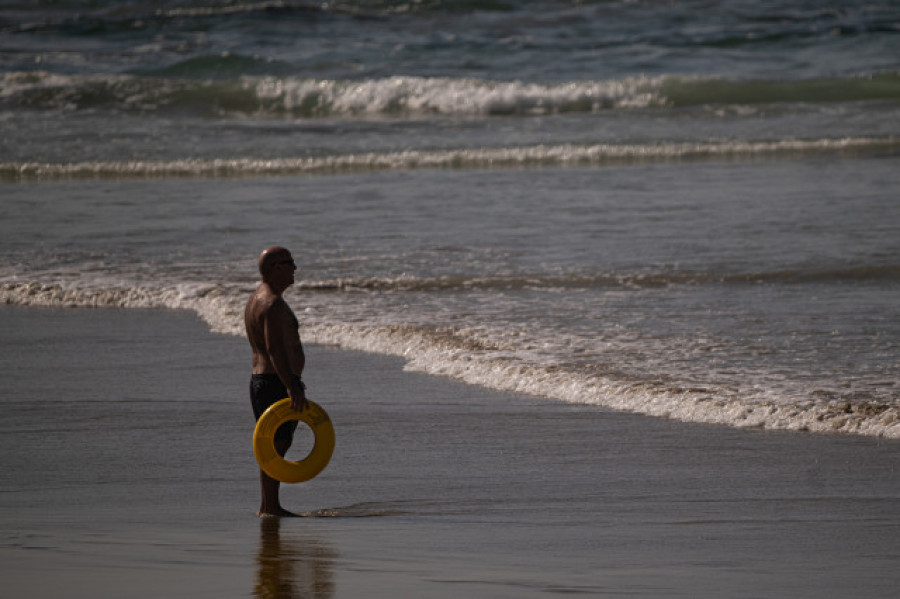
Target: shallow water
(761,297)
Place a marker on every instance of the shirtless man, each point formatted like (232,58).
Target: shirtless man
(278,358)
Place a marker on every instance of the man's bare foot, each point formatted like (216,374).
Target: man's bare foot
(279,513)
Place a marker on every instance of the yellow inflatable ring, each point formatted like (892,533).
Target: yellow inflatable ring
(278,467)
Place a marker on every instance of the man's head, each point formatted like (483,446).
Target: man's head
(277,266)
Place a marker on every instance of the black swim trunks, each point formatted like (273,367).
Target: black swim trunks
(266,389)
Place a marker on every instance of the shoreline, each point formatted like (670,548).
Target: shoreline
(425,352)
(436,488)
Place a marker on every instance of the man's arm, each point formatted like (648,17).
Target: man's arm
(285,351)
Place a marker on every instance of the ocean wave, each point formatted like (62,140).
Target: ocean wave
(493,363)
(223,85)
(481,158)
(278,97)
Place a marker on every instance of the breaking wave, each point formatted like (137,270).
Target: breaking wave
(225,85)
(206,94)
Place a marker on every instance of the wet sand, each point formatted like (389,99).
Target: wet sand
(128,472)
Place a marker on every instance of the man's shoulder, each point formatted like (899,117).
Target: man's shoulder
(263,301)
(274,306)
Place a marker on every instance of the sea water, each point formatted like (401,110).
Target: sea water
(681,209)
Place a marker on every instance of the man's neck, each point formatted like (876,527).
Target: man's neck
(276,290)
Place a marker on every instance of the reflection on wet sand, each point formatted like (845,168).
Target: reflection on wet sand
(290,566)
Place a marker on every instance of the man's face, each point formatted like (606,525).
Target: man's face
(283,268)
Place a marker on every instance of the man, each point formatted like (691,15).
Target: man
(278,359)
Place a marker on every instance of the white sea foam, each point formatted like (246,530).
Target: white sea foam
(513,157)
(479,359)
(444,96)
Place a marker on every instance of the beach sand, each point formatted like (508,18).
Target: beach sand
(128,473)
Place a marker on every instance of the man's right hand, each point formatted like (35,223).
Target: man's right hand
(299,403)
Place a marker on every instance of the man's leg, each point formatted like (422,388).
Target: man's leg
(271,503)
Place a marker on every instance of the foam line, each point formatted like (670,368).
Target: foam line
(481,158)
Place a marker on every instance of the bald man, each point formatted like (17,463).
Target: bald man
(278,359)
